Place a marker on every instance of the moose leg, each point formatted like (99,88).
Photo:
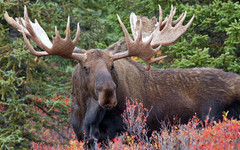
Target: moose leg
(93,117)
(213,109)
(111,125)
(76,120)
(234,109)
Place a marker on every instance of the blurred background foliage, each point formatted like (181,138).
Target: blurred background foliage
(211,41)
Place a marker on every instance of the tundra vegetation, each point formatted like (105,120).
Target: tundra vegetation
(35,96)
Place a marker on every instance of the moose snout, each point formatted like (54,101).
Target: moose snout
(107,95)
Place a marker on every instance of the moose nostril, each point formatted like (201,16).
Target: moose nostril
(108,107)
(100,88)
(115,104)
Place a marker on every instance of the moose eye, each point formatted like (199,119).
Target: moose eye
(86,69)
(112,68)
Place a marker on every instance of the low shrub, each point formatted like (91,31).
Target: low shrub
(223,134)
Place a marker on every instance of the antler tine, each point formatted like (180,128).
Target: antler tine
(171,31)
(128,41)
(190,22)
(60,47)
(169,21)
(139,37)
(127,35)
(183,18)
(68,29)
(57,36)
(177,21)
(155,60)
(160,18)
(77,56)
(75,40)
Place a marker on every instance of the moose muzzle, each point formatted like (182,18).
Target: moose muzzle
(107,94)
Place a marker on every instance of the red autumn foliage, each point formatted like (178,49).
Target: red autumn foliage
(135,118)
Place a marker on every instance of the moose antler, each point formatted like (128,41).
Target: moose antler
(171,30)
(165,34)
(60,47)
(138,47)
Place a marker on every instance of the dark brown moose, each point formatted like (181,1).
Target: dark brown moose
(102,80)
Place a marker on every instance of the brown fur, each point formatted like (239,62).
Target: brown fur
(172,93)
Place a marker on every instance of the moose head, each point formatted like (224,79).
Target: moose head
(98,64)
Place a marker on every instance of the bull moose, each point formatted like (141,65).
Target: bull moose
(103,79)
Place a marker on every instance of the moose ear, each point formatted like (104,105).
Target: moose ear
(110,53)
(78,50)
